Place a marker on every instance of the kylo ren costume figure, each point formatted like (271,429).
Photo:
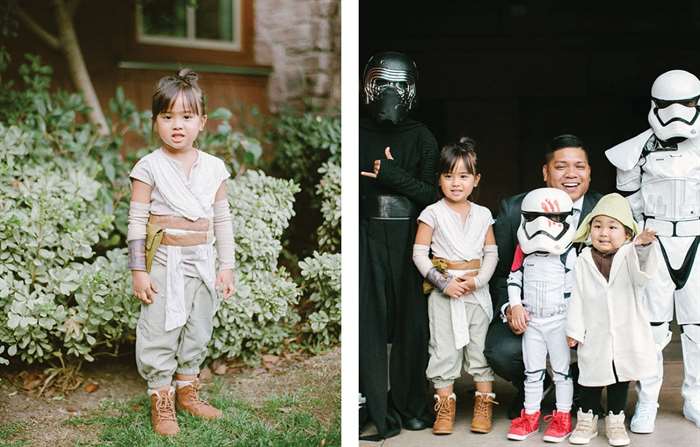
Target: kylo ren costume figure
(398,162)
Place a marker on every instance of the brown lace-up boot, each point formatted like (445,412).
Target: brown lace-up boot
(483,412)
(189,401)
(163,412)
(445,408)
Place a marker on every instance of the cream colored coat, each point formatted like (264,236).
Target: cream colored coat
(608,319)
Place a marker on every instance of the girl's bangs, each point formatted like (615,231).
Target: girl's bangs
(189,100)
(469,163)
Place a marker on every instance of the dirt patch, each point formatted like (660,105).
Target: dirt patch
(43,418)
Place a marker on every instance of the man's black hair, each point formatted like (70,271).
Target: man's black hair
(562,141)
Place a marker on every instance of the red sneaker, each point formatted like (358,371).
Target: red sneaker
(524,426)
(559,427)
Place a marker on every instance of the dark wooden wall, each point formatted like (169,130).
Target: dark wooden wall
(514,74)
(106,33)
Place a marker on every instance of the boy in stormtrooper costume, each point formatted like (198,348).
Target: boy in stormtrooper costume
(539,288)
(659,171)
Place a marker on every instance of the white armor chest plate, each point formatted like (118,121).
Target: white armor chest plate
(544,284)
(671,184)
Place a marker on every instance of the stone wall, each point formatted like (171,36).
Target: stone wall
(300,39)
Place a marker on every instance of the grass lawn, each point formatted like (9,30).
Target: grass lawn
(297,406)
(281,420)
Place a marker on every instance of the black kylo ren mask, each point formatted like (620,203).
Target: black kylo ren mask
(390,86)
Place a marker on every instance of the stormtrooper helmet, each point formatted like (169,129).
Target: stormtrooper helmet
(674,106)
(545,223)
(389,83)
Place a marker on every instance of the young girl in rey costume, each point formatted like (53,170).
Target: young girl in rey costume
(178,209)
(460,236)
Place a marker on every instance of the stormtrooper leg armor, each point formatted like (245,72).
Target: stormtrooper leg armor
(660,295)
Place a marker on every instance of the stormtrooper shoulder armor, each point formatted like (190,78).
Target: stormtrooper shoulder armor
(625,155)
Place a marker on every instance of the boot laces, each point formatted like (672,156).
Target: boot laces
(525,421)
(483,405)
(556,419)
(165,407)
(442,409)
(196,386)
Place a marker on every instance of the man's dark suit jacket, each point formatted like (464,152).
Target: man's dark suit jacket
(505,230)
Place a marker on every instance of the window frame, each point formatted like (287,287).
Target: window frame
(191,41)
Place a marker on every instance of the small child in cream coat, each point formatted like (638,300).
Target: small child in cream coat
(607,319)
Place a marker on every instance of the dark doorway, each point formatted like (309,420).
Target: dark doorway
(513,74)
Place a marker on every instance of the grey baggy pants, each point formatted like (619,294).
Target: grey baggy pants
(160,353)
(446,362)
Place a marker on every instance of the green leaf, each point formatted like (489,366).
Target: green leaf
(220,114)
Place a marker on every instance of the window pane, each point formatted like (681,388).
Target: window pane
(165,18)
(214,20)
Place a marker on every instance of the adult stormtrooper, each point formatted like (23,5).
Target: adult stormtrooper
(398,159)
(660,171)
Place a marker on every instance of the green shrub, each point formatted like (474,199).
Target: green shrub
(49,222)
(328,189)
(303,142)
(65,292)
(260,316)
(83,309)
(321,284)
(320,273)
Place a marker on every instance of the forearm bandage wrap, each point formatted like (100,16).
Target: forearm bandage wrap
(488,266)
(422,259)
(136,235)
(137,255)
(426,268)
(223,232)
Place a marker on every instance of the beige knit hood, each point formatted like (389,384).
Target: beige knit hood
(611,205)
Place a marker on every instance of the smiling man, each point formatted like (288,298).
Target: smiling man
(565,167)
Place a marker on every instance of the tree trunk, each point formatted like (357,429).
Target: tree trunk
(76,65)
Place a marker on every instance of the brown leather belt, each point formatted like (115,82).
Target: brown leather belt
(180,223)
(200,232)
(457,265)
(185,240)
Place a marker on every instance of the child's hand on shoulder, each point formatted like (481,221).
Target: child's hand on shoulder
(646,237)
(143,288)
(224,283)
(572,342)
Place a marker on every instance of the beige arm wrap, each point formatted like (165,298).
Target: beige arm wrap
(488,266)
(223,232)
(138,218)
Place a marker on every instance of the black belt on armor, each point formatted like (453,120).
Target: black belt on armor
(681,275)
(392,207)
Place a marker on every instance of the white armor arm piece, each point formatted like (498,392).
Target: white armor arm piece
(630,181)
(515,287)
(626,157)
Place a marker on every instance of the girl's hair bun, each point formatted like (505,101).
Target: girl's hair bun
(187,75)
(468,143)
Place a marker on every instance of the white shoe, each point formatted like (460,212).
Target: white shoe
(644,417)
(691,411)
(615,429)
(362,400)
(586,428)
